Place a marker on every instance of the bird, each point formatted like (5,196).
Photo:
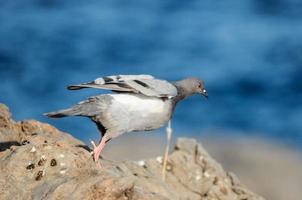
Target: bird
(138,103)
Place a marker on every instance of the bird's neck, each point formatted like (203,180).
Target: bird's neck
(182,92)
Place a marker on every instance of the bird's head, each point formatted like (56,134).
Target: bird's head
(192,85)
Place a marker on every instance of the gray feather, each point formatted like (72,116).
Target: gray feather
(91,107)
(154,87)
(143,84)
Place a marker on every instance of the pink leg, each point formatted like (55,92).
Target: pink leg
(98,149)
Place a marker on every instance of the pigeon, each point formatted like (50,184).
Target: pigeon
(138,103)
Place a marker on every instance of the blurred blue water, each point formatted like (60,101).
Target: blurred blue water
(248,52)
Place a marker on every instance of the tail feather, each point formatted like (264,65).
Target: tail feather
(90,107)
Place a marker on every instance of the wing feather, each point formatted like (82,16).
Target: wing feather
(144,84)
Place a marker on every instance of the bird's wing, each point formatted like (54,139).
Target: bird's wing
(153,87)
(144,84)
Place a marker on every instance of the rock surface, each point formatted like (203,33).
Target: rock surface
(37,161)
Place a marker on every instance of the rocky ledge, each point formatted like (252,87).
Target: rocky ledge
(37,161)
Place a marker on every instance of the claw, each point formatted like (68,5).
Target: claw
(93,144)
(97,151)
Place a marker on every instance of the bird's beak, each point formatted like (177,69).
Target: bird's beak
(204,93)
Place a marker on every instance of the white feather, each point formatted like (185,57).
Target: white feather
(135,112)
(135,103)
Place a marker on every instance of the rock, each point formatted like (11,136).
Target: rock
(37,161)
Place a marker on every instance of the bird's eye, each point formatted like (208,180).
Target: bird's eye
(204,91)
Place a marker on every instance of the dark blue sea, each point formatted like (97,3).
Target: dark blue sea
(248,52)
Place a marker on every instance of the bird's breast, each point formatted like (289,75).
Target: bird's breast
(140,112)
(140,104)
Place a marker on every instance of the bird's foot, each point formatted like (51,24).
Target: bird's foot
(96,154)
